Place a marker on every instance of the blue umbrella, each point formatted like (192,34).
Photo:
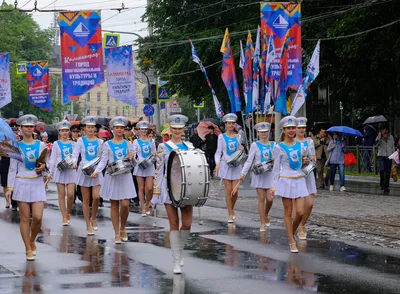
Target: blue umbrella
(347,131)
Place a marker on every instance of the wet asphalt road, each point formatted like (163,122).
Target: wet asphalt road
(220,258)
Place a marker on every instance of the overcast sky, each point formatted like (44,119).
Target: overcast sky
(126,21)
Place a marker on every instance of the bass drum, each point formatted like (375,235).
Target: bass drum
(188,178)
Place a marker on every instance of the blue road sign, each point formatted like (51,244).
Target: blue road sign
(148,110)
(163,95)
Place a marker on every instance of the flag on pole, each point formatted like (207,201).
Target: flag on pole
(264,51)
(5,84)
(269,82)
(311,73)
(196,58)
(228,74)
(248,74)
(280,105)
(256,72)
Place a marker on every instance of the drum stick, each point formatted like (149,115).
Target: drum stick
(219,187)
(155,216)
(200,220)
(47,183)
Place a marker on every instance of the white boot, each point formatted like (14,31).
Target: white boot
(174,239)
(184,237)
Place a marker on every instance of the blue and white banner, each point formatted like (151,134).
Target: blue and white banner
(5,85)
(121,74)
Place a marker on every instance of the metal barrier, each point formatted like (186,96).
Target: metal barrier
(367,159)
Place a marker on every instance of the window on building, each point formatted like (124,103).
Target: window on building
(88,96)
(87,111)
(99,110)
(108,110)
(116,110)
(123,111)
(108,97)
(135,110)
(98,96)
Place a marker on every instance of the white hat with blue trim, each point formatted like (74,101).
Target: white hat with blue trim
(263,127)
(288,121)
(27,120)
(63,125)
(119,121)
(143,125)
(301,122)
(177,121)
(230,117)
(89,121)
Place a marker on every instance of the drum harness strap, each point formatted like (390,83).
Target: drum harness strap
(27,177)
(292,177)
(173,146)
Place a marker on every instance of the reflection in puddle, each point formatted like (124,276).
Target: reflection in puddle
(31,281)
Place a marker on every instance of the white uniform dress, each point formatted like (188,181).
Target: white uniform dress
(59,151)
(28,186)
(288,182)
(308,146)
(143,149)
(226,147)
(262,181)
(93,150)
(163,198)
(117,187)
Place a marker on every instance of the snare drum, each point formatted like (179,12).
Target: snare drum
(262,167)
(237,158)
(65,164)
(188,179)
(119,167)
(309,168)
(148,161)
(89,168)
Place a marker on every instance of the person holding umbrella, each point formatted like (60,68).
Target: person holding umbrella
(337,148)
(385,144)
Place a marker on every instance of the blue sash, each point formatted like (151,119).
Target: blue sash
(66,149)
(181,146)
(305,147)
(31,154)
(91,148)
(145,148)
(266,151)
(294,155)
(232,144)
(120,151)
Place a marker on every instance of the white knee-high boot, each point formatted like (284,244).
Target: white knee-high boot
(184,237)
(174,238)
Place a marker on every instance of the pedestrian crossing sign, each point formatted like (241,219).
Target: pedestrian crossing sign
(21,68)
(111,40)
(163,94)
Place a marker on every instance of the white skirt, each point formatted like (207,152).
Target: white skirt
(262,181)
(291,188)
(29,190)
(118,187)
(311,185)
(64,177)
(229,173)
(84,181)
(148,172)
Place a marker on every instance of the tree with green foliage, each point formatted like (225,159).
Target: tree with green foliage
(22,37)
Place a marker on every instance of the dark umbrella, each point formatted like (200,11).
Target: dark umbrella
(104,121)
(375,120)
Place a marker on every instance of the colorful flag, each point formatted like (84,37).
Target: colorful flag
(5,84)
(256,73)
(218,109)
(228,74)
(280,105)
(81,52)
(276,20)
(248,74)
(269,82)
(264,51)
(121,74)
(311,73)
(38,79)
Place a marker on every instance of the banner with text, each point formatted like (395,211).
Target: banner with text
(5,85)
(121,74)
(276,20)
(81,52)
(38,78)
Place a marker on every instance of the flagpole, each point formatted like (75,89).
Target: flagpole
(245,131)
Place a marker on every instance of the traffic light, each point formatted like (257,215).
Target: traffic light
(153,94)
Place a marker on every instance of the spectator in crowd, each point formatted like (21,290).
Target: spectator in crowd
(321,142)
(337,148)
(196,140)
(75,133)
(368,143)
(385,143)
(211,148)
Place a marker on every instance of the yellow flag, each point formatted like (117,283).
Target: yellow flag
(223,46)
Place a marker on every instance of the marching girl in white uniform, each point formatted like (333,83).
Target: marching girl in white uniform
(119,189)
(228,144)
(26,185)
(144,147)
(309,149)
(288,179)
(177,236)
(89,147)
(260,152)
(65,180)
